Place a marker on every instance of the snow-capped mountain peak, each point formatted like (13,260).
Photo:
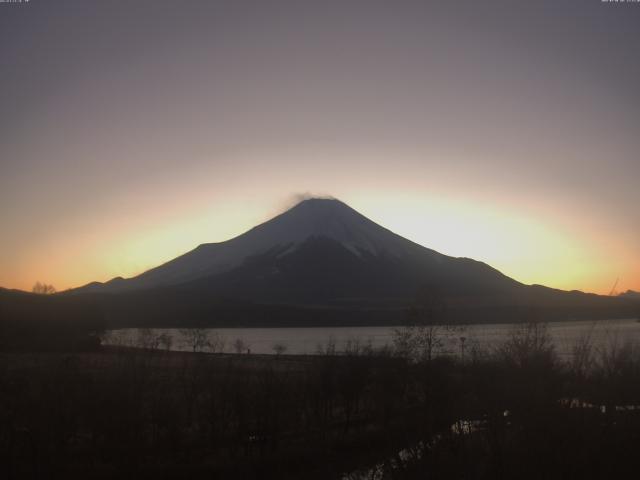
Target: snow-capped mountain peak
(311,218)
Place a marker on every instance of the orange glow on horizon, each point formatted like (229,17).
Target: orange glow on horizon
(465,128)
(524,248)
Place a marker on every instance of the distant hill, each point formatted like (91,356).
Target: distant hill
(322,262)
(631,295)
(30,322)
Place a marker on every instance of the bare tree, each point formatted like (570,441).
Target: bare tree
(583,357)
(165,340)
(352,347)
(239,345)
(215,343)
(196,338)
(427,331)
(329,348)
(147,339)
(279,348)
(43,289)
(529,344)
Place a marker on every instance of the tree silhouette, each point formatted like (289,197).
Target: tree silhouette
(196,338)
(279,348)
(428,330)
(239,345)
(43,289)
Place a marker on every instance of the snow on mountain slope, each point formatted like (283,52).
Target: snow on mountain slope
(309,219)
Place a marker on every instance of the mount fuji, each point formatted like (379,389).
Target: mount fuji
(321,239)
(322,258)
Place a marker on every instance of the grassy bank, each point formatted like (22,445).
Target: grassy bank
(515,412)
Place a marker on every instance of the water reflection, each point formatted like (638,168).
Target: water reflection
(327,340)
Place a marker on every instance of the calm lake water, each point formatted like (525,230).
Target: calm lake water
(565,336)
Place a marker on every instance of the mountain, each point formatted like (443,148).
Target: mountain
(318,245)
(322,262)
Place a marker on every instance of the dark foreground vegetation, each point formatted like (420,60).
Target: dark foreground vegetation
(38,322)
(515,412)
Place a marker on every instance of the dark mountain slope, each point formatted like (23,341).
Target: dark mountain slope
(322,271)
(322,263)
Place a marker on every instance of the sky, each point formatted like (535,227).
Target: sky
(504,131)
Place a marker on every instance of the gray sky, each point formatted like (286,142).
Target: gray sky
(133,131)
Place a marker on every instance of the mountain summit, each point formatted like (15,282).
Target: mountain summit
(332,219)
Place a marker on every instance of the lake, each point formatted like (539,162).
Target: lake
(299,341)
